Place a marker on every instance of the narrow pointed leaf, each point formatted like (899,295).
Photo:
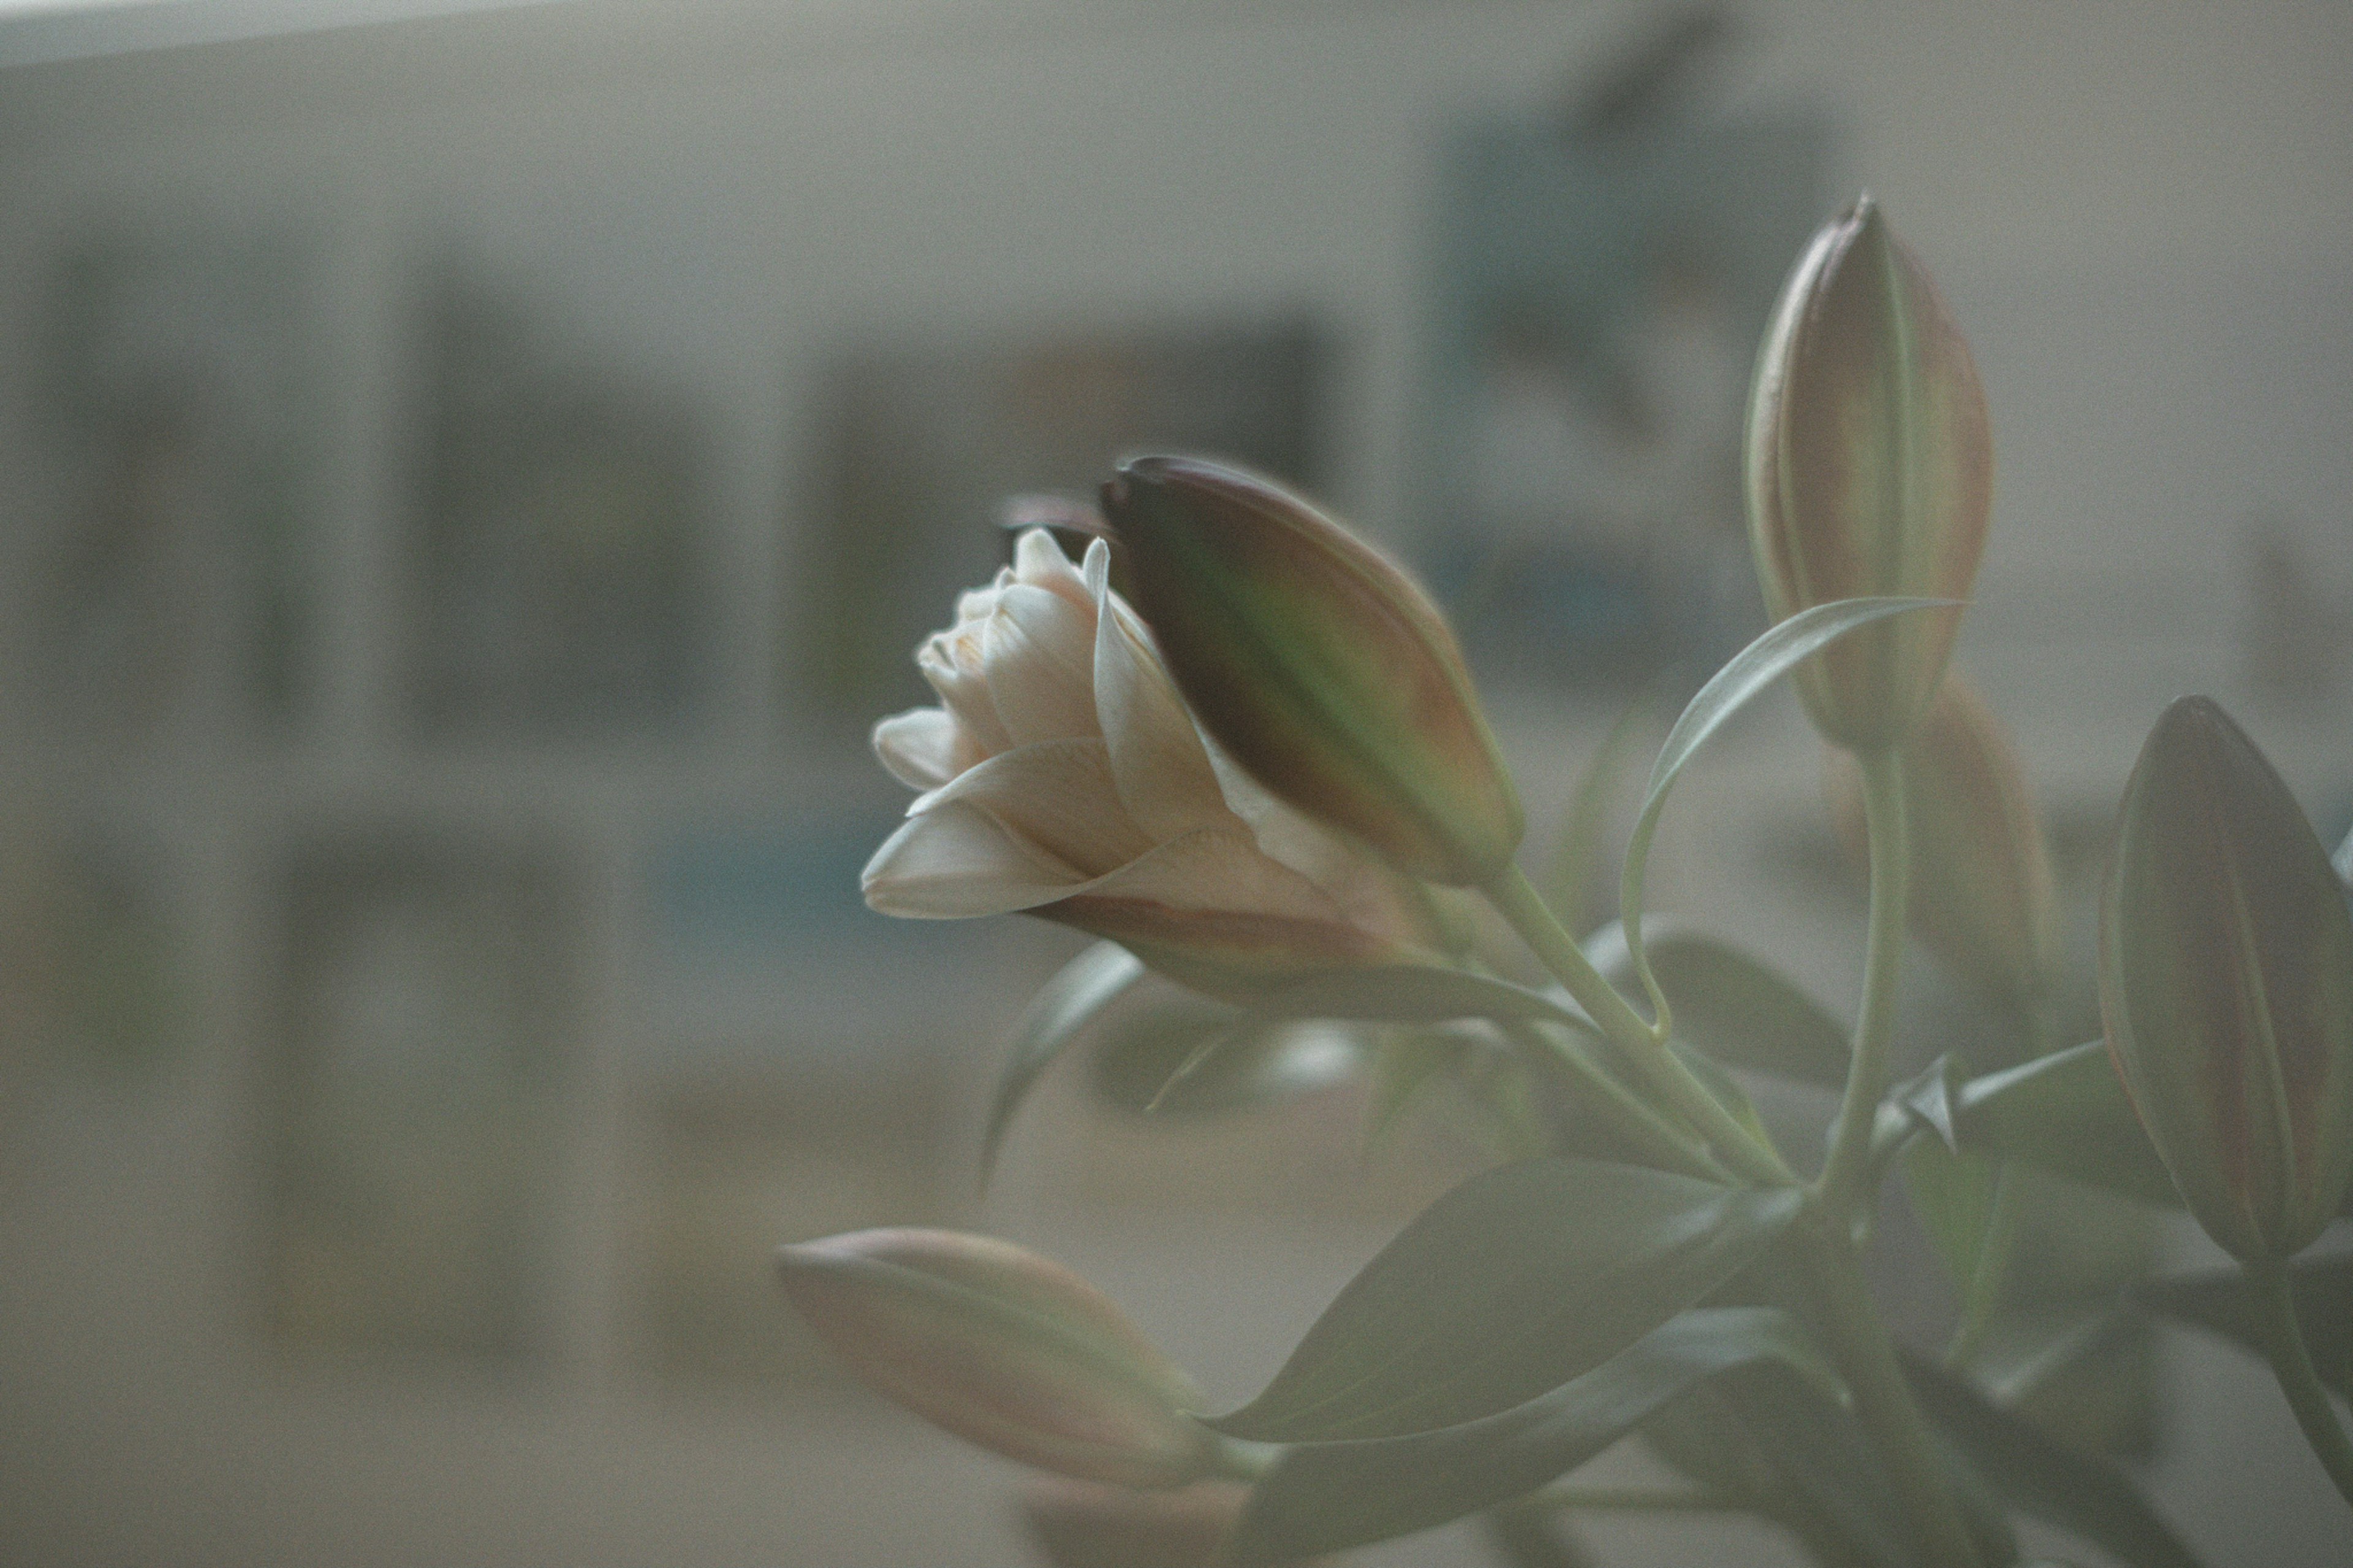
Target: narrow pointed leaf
(1519,1280)
(1954,1196)
(1778,651)
(2065,1112)
(2222,1303)
(1064,1006)
(1326,1497)
(1729,1003)
(1575,864)
(1255,1061)
(2043,1477)
(1418,994)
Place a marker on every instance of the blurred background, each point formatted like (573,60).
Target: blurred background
(471,476)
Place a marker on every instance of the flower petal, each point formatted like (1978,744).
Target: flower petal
(919,747)
(955,861)
(1373,896)
(1057,796)
(1210,911)
(1039,562)
(1038,653)
(951,661)
(1157,763)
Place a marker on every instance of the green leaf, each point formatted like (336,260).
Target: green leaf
(1772,1441)
(1772,656)
(1419,993)
(2065,1112)
(1408,1061)
(2222,1303)
(1576,861)
(1954,1195)
(1326,1497)
(2042,1477)
(1728,1004)
(1141,1066)
(2343,861)
(1519,1280)
(1065,1004)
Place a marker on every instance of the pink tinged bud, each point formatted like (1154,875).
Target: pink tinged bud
(1003,1349)
(1982,893)
(1870,470)
(1317,665)
(2226,985)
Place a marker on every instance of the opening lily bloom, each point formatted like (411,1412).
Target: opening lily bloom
(1064,777)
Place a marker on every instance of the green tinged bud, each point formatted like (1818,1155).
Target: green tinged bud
(1870,470)
(1003,1349)
(1317,664)
(2226,985)
(1983,896)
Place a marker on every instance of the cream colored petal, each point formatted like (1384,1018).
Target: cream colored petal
(1163,775)
(965,694)
(1216,871)
(955,861)
(1057,796)
(920,747)
(1374,896)
(1038,652)
(1039,562)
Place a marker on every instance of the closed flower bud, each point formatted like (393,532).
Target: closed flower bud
(1063,777)
(1003,1349)
(1317,664)
(1869,472)
(1983,896)
(2226,985)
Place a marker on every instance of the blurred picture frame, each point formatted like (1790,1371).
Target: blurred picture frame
(169,575)
(1600,279)
(557,558)
(411,1104)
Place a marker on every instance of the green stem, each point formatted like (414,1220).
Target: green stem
(1626,1112)
(1858,1341)
(1845,1179)
(2291,1364)
(1517,900)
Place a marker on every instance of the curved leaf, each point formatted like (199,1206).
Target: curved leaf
(1522,1277)
(2221,1302)
(1728,1004)
(1065,1004)
(2042,1477)
(1782,650)
(1570,873)
(2065,1112)
(1235,1060)
(1419,993)
(1326,1497)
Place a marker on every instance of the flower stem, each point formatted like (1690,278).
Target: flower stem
(1626,1111)
(1858,1341)
(2291,1364)
(1517,900)
(1846,1176)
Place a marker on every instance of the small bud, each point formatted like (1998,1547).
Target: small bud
(2226,985)
(1003,1349)
(1869,472)
(1317,664)
(1982,893)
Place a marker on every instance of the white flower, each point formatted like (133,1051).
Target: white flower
(1064,776)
